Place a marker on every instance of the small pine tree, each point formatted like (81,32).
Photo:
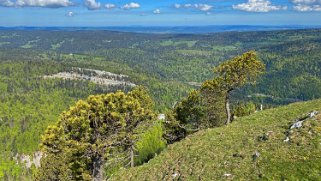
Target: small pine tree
(83,138)
(210,106)
(235,73)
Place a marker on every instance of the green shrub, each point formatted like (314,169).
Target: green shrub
(150,143)
(244,109)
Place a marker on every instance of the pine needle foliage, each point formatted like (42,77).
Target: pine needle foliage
(85,135)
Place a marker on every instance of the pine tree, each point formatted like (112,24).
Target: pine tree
(235,73)
(84,136)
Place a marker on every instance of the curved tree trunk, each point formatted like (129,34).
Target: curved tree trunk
(228,110)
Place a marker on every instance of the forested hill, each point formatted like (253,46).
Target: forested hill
(292,56)
(34,64)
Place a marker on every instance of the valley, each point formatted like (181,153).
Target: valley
(43,73)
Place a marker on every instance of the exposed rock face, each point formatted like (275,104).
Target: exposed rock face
(95,76)
(27,160)
(299,123)
(37,158)
(313,114)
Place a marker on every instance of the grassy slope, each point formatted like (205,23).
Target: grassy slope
(212,153)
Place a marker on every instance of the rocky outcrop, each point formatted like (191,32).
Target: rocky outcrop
(95,76)
(299,123)
(28,160)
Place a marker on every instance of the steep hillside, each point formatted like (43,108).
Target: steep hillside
(259,146)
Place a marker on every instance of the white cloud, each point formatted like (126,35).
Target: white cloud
(6,3)
(110,6)
(188,5)
(306,5)
(92,4)
(305,8)
(258,6)
(157,11)
(43,3)
(305,1)
(201,7)
(70,14)
(177,6)
(131,5)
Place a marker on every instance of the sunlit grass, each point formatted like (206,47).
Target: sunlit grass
(227,152)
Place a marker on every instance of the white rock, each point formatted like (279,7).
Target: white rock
(313,114)
(175,175)
(298,124)
(161,117)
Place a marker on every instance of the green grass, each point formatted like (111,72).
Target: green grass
(30,44)
(9,36)
(4,43)
(176,43)
(195,52)
(212,153)
(57,45)
(224,48)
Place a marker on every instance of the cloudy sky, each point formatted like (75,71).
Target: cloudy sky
(159,12)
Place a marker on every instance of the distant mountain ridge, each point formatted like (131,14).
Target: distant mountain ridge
(170,29)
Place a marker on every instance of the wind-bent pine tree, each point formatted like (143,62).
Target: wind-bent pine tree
(235,73)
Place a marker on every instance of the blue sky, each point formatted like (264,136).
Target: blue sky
(159,12)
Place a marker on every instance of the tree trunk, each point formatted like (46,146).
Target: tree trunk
(98,169)
(228,110)
(132,164)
